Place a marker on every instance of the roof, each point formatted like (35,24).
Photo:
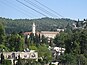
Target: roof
(49,32)
(27,33)
(42,32)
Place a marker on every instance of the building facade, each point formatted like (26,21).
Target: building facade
(13,56)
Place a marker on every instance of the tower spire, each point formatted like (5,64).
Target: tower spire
(33,28)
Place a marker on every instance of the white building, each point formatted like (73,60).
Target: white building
(59,30)
(23,55)
(58,51)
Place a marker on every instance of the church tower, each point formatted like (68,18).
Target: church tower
(33,28)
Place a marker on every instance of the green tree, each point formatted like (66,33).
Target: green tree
(3,48)
(20,44)
(2,34)
(2,58)
(16,42)
(81,60)
(59,40)
(31,38)
(44,53)
(72,43)
(7,62)
(83,41)
(33,47)
(36,39)
(68,28)
(44,40)
(68,59)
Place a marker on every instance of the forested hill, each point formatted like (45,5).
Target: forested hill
(18,25)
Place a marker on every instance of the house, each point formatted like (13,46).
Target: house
(56,52)
(59,30)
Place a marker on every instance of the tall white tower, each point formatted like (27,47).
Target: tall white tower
(33,28)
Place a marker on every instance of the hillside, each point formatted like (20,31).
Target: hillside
(17,25)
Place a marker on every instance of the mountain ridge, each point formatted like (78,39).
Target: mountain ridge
(48,24)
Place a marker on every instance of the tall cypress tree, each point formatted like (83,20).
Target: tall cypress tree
(19,62)
(2,58)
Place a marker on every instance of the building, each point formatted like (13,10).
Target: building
(59,30)
(23,55)
(47,34)
(80,24)
(56,52)
(59,50)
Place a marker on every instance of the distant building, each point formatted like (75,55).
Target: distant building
(56,52)
(59,30)
(47,34)
(59,50)
(80,24)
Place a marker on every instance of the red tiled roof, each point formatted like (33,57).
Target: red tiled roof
(26,33)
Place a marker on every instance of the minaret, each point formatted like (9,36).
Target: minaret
(33,28)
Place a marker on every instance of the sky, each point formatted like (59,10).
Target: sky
(73,9)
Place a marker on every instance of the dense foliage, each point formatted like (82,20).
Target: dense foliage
(74,41)
(18,25)
(75,44)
